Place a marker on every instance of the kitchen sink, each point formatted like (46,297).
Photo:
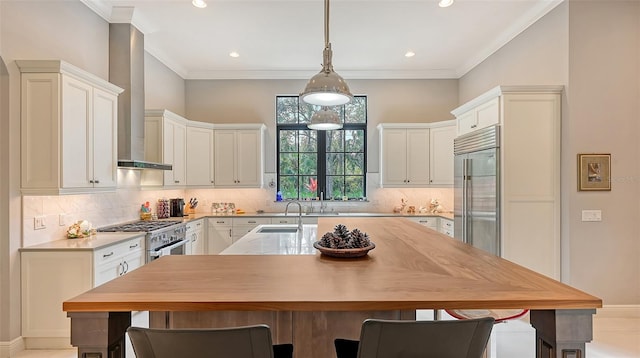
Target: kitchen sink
(278,230)
(331,213)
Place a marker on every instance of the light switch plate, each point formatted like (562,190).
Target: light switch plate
(591,215)
(39,222)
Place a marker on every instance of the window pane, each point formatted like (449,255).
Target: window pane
(354,163)
(354,140)
(289,187)
(288,141)
(354,186)
(286,110)
(309,186)
(335,164)
(335,187)
(288,163)
(356,110)
(308,163)
(308,141)
(306,111)
(335,141)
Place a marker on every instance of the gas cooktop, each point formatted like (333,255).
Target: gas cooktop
(142,226)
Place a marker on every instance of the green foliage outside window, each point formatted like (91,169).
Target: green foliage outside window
(311,161)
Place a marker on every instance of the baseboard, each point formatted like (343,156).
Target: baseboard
(47,343)
(10,349)
(619,311)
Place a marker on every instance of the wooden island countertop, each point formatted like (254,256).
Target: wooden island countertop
(412,267)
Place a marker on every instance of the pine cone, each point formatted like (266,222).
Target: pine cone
(359,239)
(341,231)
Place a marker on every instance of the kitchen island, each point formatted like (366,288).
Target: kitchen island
(310,299)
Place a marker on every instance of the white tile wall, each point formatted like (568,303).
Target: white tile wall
(123,205)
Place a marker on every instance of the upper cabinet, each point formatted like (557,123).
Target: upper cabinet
(165,135)
(483,115)
(199,154)
(238,157)
(416,154)
(68,129)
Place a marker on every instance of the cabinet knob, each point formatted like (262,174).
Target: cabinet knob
(91,181)
(96,181)
(474,125)
(176,181)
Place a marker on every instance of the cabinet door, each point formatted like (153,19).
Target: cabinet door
(77,141)
(105,146)
(218,239)
(199,156)
(441,155)
(224,153)
(467,122)
(108,271)
(488,114)
(179,154)
(132,261)
(394,157)
(249,158)
(417,157)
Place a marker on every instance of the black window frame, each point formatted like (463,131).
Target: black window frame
(321,138)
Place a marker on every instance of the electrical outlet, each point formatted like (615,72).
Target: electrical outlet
(591,215)
(62,219)
(39,222)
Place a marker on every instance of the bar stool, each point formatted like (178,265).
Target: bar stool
(499,316)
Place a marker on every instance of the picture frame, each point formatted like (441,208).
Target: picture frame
(594,172)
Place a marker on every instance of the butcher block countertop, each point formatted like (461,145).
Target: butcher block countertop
(411,267)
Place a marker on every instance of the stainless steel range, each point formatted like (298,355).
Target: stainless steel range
(164,237)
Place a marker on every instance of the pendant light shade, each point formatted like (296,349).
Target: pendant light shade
(325,119)
(326,88)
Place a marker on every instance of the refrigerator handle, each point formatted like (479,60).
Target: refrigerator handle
(465,199)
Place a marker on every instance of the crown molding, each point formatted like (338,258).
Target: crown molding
(306,74)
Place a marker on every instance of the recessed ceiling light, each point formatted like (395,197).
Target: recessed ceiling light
(409,54)
(445,3)
(234,54)
(199,3)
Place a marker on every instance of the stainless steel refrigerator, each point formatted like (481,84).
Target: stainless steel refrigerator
(477,189)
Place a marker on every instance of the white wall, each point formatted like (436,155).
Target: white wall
(593,49)
(163,88)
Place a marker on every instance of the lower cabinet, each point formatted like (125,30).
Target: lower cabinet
(439,224)
(241,226)
(195,236)
(219,234)
(446,227)
(49,277)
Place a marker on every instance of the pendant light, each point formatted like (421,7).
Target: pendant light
(325,119)
(326,88)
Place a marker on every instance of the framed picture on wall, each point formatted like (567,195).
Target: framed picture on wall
(594,172)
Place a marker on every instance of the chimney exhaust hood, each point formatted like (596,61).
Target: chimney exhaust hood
(126,70)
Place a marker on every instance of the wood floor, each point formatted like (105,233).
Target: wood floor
(613,338)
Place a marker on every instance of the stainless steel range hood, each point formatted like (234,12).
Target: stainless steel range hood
(126,69)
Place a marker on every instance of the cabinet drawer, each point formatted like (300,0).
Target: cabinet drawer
(195,225)
(220,221)
(284,220)
(119,250)
(250,221)
(446,224)
(429,221)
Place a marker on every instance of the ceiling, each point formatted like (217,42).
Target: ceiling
(283,39)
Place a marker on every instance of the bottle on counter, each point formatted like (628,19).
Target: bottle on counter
(279,196)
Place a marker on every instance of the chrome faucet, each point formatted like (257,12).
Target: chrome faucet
(323,205)
(286,212)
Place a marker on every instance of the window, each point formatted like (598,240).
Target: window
(310,161)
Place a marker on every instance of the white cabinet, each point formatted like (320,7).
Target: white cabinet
(68,129)
(404,156)
(49,277)
(199,154)
(446,226)
(195,235)
(165,142)
(479,116)
(530,130)
(238,158)
(429,221)
(219,234)
(416,154)
(441,154)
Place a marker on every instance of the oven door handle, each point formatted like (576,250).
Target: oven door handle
(167,249)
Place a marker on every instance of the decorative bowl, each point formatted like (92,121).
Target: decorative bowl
(343,253)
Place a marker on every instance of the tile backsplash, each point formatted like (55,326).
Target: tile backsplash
(123,205)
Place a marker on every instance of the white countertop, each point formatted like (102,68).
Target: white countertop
(98,241)
(255,243)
